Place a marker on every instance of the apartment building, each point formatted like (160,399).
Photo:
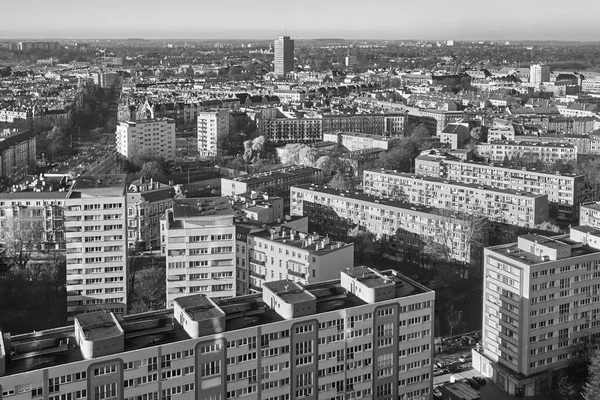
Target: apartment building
(283,130)
(198,240)
(147,201)
(539,74)
(548,153)
(211,124)
(151,136)
(366,335)
(96,234)
(442,118)
(332,212)
(590,214)
(541,303)
(504,206)
(39,205)
(286,253)
(17,156)
(360,141)
(275,182)
(455,134)
(565,191)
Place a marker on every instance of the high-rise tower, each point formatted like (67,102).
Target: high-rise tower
(284,55)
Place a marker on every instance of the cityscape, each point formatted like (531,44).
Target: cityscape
(384,219)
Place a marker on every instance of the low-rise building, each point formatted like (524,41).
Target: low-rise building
(565,191)
(360,141)
(147,201)
(504,206)
(332,212)
(548,153)
(455,135)
(257,206)
(198,240)
(285,253)
(367,334)
(541,305)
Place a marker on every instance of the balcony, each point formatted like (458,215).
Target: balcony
(257,262)
(257,275)
(296,274)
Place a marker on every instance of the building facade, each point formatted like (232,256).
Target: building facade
(147,201)
(286,253)
(540,306)
(548,153)
(198,240)
(17,156)
(539,74)
(332,212)
(565,191)
(505,206)
(284,55)
(152,136)
(211,124)
(360,141)
(96,235)
(366,335)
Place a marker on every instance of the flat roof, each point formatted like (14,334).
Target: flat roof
(368,277)
(300,242)
(99,185)
(473,186)
(198,307)
(289,291)
(201,207)
(98,325)
(274,174)
(44,349)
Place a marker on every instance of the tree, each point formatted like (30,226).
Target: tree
(248,152)
(364,241)
(479,133)
(21,238)
(454,319)
(341,182)
(149,290)
(153,170)
(258,145)
(566,389)
(591,390)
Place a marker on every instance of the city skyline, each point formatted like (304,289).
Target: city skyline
(458,20)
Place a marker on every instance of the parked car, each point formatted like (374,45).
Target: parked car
(437,394)
(473,384)
(480,380)
(465,358)
(438,371)
(454,368)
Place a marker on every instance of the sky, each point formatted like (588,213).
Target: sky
(302,19)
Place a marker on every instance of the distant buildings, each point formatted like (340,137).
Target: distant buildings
(359,141)
(284,55)
(198,239)
(147,137)
(540,308)
(547,153)
(96,235)
(539,73)
(211,124)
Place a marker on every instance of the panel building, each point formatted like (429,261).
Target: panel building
(565,191)
(505,206)
(198,240)
(96,235)
(366,335)
(541,303)
(548,153)
(284,55)
(539,73)
(211,124)
(332,212)
(151,136)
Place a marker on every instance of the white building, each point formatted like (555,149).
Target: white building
(541,303)
(198,240)
(96,235)
(368,335)
(152,136)
(211,124)
(539,73)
